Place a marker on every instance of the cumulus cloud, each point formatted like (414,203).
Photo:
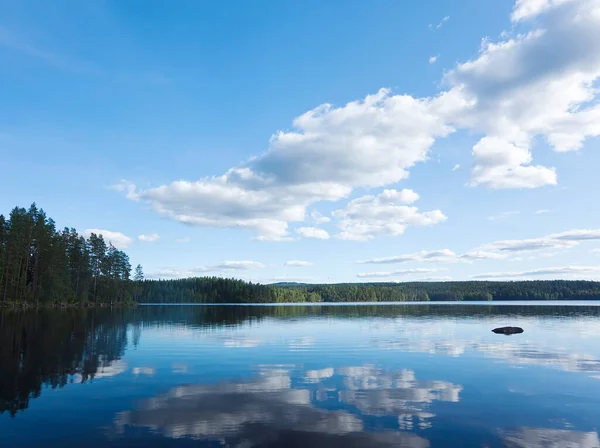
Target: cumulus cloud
(537,82)
(399,273)
(433,59)
(149,238)
(298,263)
(555,271)
(313,232)
(500,164)
(384,214)
(117,239)
(330,151)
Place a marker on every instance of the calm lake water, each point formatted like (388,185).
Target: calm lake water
(294,376)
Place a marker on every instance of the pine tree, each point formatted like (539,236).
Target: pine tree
(139,273)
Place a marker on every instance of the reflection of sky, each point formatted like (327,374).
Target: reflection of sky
(323,381)
(543,438)
(267,408)
(566,344)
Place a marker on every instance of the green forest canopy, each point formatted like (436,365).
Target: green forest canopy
(42,265)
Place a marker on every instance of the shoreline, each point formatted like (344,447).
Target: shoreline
(77,305)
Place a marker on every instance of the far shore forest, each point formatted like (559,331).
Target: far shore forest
(41,266)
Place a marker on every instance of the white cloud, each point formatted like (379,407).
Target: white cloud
(555,271)
(331,151)
(496,250)
(563,240)
(440,24)
(433,59)
(436,256)
(538,82)
(185,239)
(298,263)
(313,232)
(384,214)
(225,266)
(444,278)
(528,9)
(119,240)
(286,279)
(397,273)
(442,255)
(500,164)
(239,265)
(578,235)
(503,215)
(527,245)
(456,167)
(149,238)
(543,211)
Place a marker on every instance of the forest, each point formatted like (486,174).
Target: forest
(41,265)
(219,290)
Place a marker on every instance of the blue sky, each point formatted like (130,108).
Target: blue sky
(379,141)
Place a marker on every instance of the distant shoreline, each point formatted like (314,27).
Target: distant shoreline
(573,302)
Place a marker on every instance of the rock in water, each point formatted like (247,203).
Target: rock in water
(508,330)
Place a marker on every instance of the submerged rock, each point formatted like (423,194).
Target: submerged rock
(508,330)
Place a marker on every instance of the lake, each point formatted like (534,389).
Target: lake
(416,375)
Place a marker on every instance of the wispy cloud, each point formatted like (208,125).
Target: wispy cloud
(558,271)
(12,41)
(399,273)
(436,256)
(439,25)
(225,266)
(542,212)
(298,263)
(456,167)
(433,59)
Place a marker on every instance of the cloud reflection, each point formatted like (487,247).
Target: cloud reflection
(550,438)
(379,393)
(266,411)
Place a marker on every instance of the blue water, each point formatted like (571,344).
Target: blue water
(317,376)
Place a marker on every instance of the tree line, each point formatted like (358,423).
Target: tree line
(220,290)
(42,265)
